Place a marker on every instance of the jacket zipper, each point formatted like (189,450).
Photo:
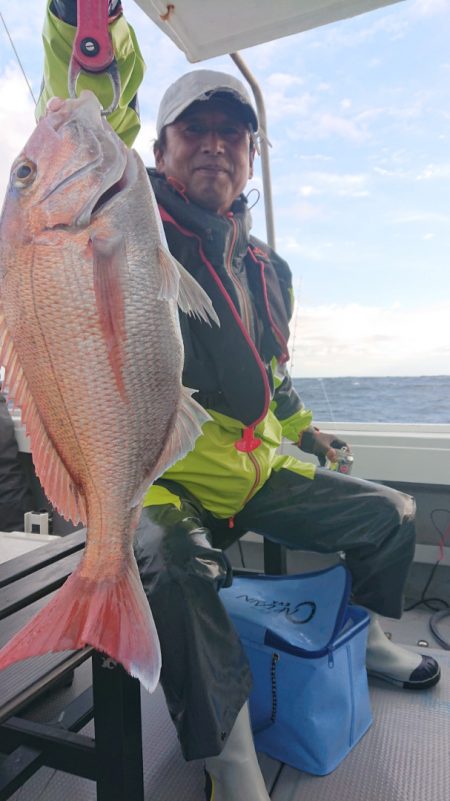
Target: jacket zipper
(255,462)
(246,317)
(252,490)
(166,217)
(248,439)
(276,331)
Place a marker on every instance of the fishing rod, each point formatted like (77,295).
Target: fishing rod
(18,58)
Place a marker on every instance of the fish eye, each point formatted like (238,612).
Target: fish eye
(24,173)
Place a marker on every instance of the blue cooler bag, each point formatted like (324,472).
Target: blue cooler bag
(306,647)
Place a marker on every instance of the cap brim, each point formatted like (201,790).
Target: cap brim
(232,100)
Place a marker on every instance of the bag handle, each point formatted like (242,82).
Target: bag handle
(273,684)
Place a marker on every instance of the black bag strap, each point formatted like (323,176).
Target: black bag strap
(273,684)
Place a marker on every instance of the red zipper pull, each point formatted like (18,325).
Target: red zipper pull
(231,522)
(248,442)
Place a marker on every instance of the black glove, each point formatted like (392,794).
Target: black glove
(67,10)
(319,443)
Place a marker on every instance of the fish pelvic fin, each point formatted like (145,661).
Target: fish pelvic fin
(55,479)
(112,615)
(179,285)
(186,427)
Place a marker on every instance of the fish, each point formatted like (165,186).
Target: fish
(91,344)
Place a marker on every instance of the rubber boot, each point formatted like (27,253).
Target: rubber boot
(398,665)
(235,775)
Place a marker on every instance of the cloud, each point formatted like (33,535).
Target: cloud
(356,33)
(21,18)
(336,184)
(310,123)
(283,106)
(335,125)
(429,8)
(429,172)
(315,157)
(291,246)
(421,217)
(144,142)
(16,119)
(357,339)
(392,173)
(322,182)
(433,171)
(306,191)
(283,80)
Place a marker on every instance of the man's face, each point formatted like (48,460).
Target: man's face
(208,151)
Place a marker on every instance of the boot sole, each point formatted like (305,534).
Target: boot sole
(408,685)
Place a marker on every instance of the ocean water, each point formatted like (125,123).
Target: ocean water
(416,399)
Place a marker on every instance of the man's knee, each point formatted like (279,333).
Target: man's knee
(392,526)
(398,507)
(171,544)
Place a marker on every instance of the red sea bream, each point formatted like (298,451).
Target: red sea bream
(91,343)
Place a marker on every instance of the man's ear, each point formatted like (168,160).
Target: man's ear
(159,158)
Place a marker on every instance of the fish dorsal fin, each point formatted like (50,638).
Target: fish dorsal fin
(50,469)
(186,427)
(177,284)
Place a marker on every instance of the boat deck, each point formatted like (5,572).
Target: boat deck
(403,757)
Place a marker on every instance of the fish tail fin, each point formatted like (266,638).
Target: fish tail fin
(112,615)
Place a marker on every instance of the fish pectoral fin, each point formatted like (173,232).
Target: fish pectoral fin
(56,482)
(186,427)
(179,285)
(170,278)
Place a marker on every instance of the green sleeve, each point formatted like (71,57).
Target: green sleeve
(58,38)
(287,406)
(293,426)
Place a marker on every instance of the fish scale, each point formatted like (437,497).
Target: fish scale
(92,349)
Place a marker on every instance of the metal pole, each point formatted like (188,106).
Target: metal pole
(275,560)
(264,146)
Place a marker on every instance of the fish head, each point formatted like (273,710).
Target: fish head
(72,166)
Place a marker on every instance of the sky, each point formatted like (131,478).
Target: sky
(359,122)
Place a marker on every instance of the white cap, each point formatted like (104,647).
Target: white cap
(202,85)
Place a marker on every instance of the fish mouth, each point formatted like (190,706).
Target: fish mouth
(98,205)
(119,178)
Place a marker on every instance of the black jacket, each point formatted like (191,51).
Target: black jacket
(250,286)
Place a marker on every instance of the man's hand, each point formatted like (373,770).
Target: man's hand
(67,10)
(321,444)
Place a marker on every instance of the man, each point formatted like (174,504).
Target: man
(234,480)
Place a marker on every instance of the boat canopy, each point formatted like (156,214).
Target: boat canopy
(206,28)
